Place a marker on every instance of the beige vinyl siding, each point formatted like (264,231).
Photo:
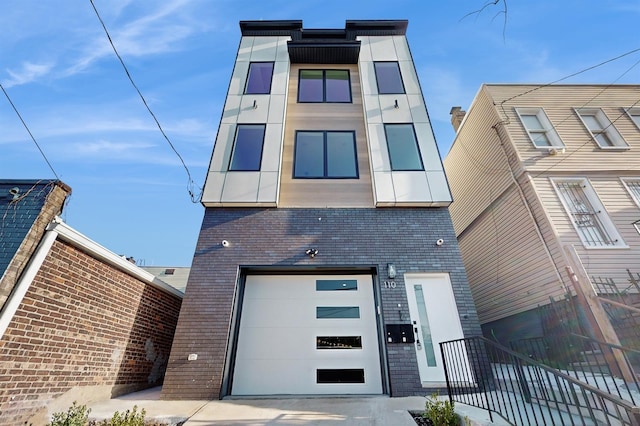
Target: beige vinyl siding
(325,116)
(558,102)
(507,264)
(620,208)
(476,166)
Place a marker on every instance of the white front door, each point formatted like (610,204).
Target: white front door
(434,314)
(307,334)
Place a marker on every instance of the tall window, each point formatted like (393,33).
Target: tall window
(247,148)
(601,129)
(402,145)
(634,114)
(324,86)
(325,155)
(388,78)
(633,186)
(259,78)
(539,128)
(587,213)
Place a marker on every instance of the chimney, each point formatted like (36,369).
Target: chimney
(457,114)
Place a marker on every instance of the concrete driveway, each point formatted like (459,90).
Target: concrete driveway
(313,411)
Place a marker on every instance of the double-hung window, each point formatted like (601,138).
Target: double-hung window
(388,78)
(324,86)
(601,129)
(402,146)
(246,155)
(539,128)
(587,213)
(325,155)
(633,186)
(259,78)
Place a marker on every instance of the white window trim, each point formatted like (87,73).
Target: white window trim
(608,127)
(634,111)
(603,215)
(626,186)
(550,131)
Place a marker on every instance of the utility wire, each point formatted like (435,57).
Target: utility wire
(190,183)
(29,131)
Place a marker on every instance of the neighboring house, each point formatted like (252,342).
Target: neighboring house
(538,172)
(77,322)
(327,261)
(175,276)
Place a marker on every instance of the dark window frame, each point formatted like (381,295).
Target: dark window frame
(324,87)
(324,159)
(375,70)
(235,142)
(417,145)
(246,83)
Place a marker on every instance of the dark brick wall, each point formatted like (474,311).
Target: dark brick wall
(84,324)
(279,237)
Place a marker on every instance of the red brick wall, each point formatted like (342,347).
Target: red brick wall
(83,323)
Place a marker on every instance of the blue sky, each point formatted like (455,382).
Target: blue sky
(129,187)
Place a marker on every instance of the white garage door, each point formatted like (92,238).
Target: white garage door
(307,335)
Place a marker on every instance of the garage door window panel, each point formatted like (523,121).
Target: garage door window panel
(343,375)
(343,312)
(339,342)
(336,285)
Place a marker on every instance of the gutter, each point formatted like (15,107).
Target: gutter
(75,238)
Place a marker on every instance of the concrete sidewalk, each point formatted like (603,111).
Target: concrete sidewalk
(313,411)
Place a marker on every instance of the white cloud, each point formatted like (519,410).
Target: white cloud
(28,73)
(108,148)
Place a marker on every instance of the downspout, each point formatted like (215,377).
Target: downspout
(25,280)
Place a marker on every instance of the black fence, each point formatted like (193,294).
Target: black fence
(523,391)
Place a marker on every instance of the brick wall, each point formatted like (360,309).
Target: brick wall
(279,237)
(82,324)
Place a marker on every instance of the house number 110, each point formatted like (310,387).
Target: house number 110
(389,284)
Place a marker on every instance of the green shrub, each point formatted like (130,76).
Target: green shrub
(128,418)
(440,412)
(76,415)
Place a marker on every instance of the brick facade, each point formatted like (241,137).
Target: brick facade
(82,324)
(279,237)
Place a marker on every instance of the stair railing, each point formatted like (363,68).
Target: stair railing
(482,373)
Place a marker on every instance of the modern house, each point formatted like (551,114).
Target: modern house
(540,175)
(327,262)
(77,322)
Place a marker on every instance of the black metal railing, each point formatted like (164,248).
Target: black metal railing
(482,373)
(608,367)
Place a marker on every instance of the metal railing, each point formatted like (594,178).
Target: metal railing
(608,367)
(484,374)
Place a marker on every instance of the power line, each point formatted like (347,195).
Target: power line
(29,131)
(190,183)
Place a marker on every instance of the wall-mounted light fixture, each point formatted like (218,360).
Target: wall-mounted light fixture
(255,104)
(311,252)
(391,270)
(395,105)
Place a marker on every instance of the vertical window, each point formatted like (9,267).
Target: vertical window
(324,86)
(259,78)
(633,186)
(402,145)
(539,128)
(601,129)
(388,78)
(634,114)
(325,154)
(247,148)
(587,213)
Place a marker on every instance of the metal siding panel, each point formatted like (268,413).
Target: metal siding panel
(241,187)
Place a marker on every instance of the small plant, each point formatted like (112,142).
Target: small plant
(76,415)
(440,412)
(128,418)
